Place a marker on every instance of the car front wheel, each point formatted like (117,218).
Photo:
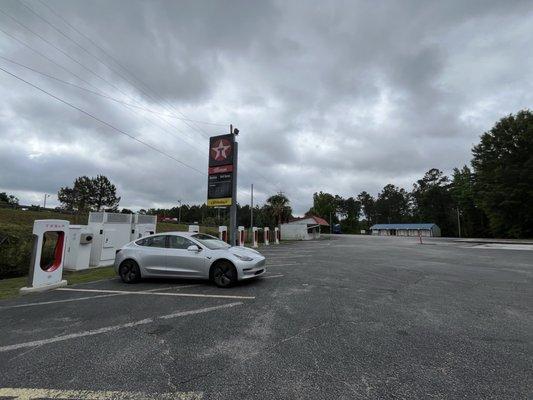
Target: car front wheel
(224,274)
(129,272)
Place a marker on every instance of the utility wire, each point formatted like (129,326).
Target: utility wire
(96,91)
(101,94)
(47,58)
(98,94)
(102,121)
(98,58)
(70,57)
(86,37)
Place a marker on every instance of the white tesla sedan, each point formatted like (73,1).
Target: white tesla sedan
(187,255)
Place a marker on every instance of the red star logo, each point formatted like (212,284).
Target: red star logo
(221,150)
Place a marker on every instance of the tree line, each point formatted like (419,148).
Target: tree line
(492,198)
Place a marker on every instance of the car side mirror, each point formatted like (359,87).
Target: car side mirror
(194,247)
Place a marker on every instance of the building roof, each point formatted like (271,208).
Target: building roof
(317,220)
(404,226)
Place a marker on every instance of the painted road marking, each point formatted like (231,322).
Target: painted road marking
(288,256)
(501,246)
(272,276)
(114,327)
(145,292)
(281,265)
(42,303)
(30,394)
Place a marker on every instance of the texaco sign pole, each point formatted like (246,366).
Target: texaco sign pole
(233,207)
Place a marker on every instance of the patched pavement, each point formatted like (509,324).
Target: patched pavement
(350,317)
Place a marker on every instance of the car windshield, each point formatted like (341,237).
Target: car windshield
(211,242)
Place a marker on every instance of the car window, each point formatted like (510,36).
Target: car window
(210,242)
(152,241)
(179,242)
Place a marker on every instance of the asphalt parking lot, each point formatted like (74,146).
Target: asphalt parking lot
(349,317)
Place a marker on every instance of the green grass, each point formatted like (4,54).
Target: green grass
(10,287)
(89,275)
(26,218)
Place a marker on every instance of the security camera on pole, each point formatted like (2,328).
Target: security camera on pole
(222,177)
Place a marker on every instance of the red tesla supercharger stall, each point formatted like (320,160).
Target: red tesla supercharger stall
(48,255)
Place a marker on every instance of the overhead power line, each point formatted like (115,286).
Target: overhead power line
(78,62)
(102,121)
(96,90)
(97,93)
(98,58)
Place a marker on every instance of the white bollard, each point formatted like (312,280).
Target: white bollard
(223,233)
(255,234)
(276,235)
(241,238)
(48,276)
(266,234)
(194,228)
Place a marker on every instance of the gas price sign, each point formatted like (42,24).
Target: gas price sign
(220,180)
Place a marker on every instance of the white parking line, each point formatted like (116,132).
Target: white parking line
(113,327)
(30,394)
(284,257)
(145,292)
(272,276)
(42,303)
(281,265)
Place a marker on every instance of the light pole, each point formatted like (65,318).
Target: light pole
(45,196)
(179,212)
(252,208)
(458,222)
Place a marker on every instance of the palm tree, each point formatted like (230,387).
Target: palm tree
(279,207)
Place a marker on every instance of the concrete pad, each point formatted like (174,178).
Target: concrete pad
(36,289)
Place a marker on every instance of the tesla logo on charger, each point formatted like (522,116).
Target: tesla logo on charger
(221,150)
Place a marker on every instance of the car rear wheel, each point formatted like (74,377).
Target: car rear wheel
(224,274)
(129,272)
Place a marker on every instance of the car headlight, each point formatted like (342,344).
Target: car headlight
(243,258)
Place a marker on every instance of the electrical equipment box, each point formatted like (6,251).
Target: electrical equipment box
(110,232)
(78,250)
(143,225)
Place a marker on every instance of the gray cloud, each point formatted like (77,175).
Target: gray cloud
(337,96)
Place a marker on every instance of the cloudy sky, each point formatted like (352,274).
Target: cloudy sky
(333,96)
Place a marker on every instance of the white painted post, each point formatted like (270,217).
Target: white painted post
(241,236)
(46,277)
(223,233)
(276,235)
(266,233)
(255,233)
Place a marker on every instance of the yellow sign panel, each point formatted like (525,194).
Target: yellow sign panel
(226,201)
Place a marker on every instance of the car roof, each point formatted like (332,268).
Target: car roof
(178,233)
